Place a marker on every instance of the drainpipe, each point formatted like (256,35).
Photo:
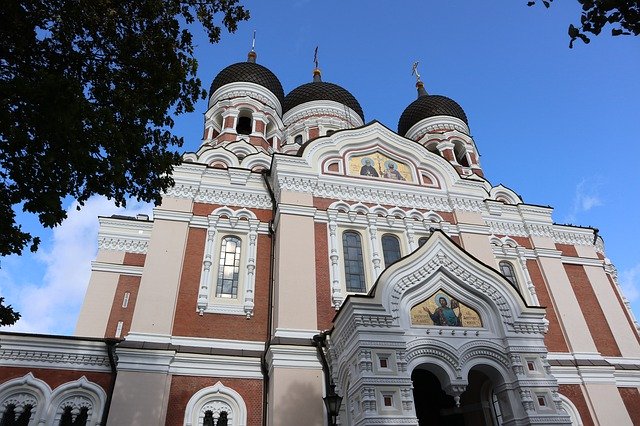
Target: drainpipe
(111,347)
(263,359)
(332,400)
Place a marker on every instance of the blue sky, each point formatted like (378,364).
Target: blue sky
(559,126)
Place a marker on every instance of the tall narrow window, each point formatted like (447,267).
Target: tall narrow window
(125,299)
(507,270)
(229,267)
(353,263)
(119,329)
(390,249)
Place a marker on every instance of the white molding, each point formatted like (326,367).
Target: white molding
(51,353)
(115,268)
(288,356)
(216,398)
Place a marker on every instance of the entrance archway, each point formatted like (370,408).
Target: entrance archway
(478,404)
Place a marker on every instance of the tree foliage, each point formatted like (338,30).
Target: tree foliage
(87,92)
(622,15)
(7,315)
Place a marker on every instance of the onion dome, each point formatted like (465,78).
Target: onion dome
(428,106)
(249,72)
(318,90)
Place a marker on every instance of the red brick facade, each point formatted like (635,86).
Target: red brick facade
(184,387)
(592,311)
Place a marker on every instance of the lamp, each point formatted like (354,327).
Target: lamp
(332,402)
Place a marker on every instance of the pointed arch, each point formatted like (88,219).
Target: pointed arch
(217,398)
(25,391)
(81,395)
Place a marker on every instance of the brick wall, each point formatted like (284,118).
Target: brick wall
(130,284)
(592,311)
(574,393)
(183,388)
(554,339)
(188,322)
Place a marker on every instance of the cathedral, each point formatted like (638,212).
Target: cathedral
(310,267)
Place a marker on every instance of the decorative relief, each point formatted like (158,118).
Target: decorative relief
(24,356)
(574,238)
(467,204)
(506,228)
(230,198)
(77,404)
(123,244)
(182,191)
(376,196)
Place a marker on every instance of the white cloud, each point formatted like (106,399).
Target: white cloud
(629,280)
(52,305)
(586,198)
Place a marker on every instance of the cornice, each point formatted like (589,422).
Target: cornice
(49,352)
(115,268)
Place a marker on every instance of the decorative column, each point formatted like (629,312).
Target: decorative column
(409,223)
(336,292)
(251,268)
(205,277)
(375,247)
(527,277)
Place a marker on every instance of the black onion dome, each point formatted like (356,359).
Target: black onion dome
(321,91)
(249,72)
(429,106)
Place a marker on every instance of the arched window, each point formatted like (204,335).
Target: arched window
(433,147)
(353,263)
(12,415)
(74,416)
(390,249)
(229,267)
(298,139)
(244,126)
(216,406)
(422,241)
(507,270)
(460,153)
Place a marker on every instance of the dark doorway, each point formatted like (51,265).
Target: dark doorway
(435,407)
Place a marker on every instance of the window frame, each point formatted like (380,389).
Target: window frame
(399,242)
(516,282)
(222,223)
(344,261)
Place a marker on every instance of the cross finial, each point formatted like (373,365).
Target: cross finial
(253,42)
(419,83)
(317,76)
(414,70)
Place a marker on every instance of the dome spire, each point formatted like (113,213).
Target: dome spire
(317,74)
(419,83)
(251,57)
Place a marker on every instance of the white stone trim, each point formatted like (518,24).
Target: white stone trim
(78,394)
(216,398)
(221,222)
(285,356)
(45,352)
(97,266)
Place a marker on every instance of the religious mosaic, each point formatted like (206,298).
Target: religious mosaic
(442,309)
(380,166)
